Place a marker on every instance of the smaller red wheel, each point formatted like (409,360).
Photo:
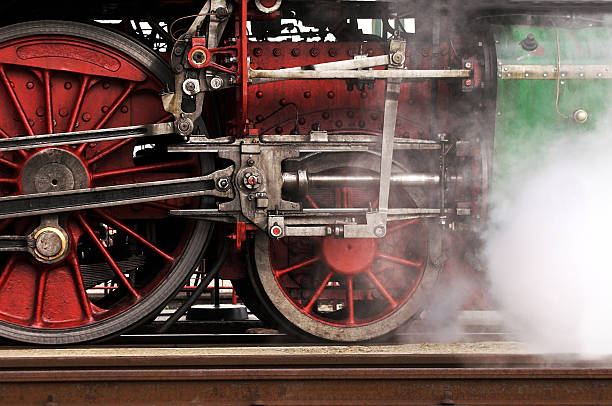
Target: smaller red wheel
(349,289)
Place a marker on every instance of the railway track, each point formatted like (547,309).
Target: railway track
(466,374)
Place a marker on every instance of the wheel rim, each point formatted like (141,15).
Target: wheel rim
(349,289)
(67,82)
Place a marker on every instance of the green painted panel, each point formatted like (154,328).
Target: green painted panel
(527,121)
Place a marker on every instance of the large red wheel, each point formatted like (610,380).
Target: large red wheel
(93,273)
(349,289)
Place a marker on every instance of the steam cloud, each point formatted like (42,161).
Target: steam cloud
(549,248)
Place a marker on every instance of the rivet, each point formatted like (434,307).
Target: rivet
(374,116)
(259,94)
(105,85)
(314,52)
(361,124)
(276,52)
(364,95)
(63,112)
(124,109)
(104,109)
(331,94)
(86,117)
(370,52)
(283,102)
(296,52)
(325,115)
(350,114)
(332,52)
(40,111)
(67,85)
(259,118)
(307,94)
(258,52)
(302,121)
(279,130)
(339,123)
(30,85)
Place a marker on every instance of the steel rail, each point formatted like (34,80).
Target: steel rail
(288,377)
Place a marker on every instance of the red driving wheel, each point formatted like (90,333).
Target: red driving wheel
(349,289)
(92,273)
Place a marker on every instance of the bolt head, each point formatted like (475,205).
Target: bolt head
(380,231)
(580,116)
(398,58)
(216,82)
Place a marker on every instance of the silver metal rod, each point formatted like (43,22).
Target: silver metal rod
(403,179)
(361,74)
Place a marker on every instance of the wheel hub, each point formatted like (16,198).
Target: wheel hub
(53,170)
(51,243)
(349,256)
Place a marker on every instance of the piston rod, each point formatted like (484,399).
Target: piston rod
(301,181)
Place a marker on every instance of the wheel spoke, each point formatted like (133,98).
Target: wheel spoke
(78,280)
(350,300)
(86,79)
(137,236)
(8,163)
(318,292)
(6,271)
(3,134)
(39,298)
(139,169)
(108,150)
(4,223)
(15,100)
(345,198)
(107,256)
(165,118)
(398,260)
(48,101)
(297,266)
(111,110)
(382,289)
(402,225)
(311,201)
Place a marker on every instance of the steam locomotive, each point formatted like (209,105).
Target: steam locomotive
(326,156)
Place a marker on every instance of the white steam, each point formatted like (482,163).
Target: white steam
(549,248)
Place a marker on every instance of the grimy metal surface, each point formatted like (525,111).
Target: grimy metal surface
(316,375)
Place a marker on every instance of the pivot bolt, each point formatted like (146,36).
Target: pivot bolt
(223,184)
(276,231)
(184,126)
(251,180)
(216,82)
(380,231)
(398,58)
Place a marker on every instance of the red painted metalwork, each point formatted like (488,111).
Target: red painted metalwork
(60,83)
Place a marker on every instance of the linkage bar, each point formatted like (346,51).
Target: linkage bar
(81,137)
(55,202)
